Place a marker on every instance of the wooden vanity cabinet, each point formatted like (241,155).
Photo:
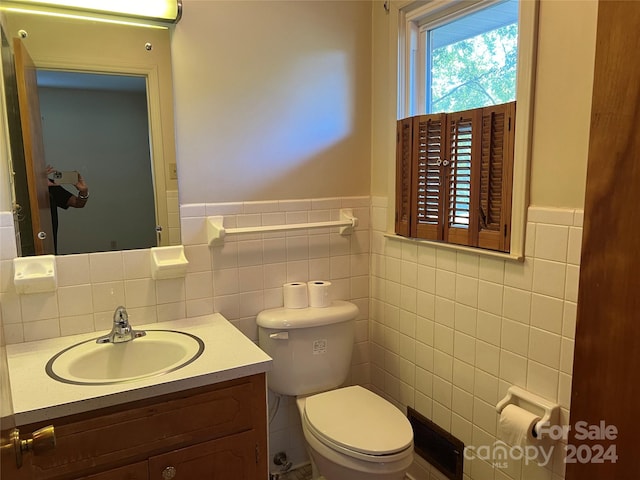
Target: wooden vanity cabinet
(207,433)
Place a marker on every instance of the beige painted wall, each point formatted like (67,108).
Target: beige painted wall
(384,100)
(562,111)
(272,99)
(562,105)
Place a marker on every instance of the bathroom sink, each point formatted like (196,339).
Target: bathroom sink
(157,353)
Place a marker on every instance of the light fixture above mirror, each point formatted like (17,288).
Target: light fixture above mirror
(168,11)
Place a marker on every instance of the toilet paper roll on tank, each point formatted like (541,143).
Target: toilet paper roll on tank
(319,293)
(294,295)
(306,294)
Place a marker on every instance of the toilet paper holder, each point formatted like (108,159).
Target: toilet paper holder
(548,411)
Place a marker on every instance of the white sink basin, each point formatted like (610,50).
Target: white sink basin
(157,353)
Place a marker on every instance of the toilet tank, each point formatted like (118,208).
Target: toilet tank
(311,347)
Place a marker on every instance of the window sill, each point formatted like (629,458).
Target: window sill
(460,248)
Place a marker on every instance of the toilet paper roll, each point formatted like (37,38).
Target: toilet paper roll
(319,293)
(516,425)
(295,295)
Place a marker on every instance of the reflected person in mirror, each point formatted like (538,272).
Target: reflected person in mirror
(60,197)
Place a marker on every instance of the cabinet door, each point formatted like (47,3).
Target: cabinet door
(136,471)
(134,431)
(232,457)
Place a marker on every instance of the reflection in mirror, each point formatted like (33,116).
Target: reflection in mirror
(106,111)
(97,125)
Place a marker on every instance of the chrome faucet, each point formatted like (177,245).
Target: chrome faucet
(121,331)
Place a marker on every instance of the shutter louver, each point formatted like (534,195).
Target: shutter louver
(404,147)
(459,189)
(428,147)
(496,171)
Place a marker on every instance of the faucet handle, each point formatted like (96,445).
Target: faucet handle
(120,316)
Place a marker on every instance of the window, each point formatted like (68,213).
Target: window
(471,62)
(461,175)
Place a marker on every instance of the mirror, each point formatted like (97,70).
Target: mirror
(85,69)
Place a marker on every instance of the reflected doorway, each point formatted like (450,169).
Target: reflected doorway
(98,125)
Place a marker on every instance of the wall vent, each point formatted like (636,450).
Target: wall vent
(437,446)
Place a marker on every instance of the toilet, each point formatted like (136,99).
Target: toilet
(350,432)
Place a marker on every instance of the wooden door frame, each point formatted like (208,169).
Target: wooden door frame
(606,374)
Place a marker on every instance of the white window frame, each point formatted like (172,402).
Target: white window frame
(412,18)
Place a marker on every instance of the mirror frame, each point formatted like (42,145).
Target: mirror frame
(69,43)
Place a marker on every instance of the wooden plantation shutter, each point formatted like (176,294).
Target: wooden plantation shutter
(454,176)
(404,147)
(496,177)
(427,198)
(462,151)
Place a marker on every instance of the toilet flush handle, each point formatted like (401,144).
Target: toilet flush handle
(280,336)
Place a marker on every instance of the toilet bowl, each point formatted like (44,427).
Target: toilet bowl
(350,433)
(353,434)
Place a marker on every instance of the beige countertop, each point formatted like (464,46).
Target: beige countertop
(228,355)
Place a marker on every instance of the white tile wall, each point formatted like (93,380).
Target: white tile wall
(173,210)
(442,331)
(238,279)
(480,324)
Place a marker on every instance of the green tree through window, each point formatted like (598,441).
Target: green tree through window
(472,72)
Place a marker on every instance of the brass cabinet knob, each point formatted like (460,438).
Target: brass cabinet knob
(168,473)
(41,440)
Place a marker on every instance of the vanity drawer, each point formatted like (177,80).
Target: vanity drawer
(137,471)
(232,458)
(128,433)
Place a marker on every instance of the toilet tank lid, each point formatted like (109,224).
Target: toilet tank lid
(288,318)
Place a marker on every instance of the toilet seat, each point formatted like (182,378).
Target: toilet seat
(358,423)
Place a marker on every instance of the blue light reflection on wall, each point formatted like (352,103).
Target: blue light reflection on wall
(314,113)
